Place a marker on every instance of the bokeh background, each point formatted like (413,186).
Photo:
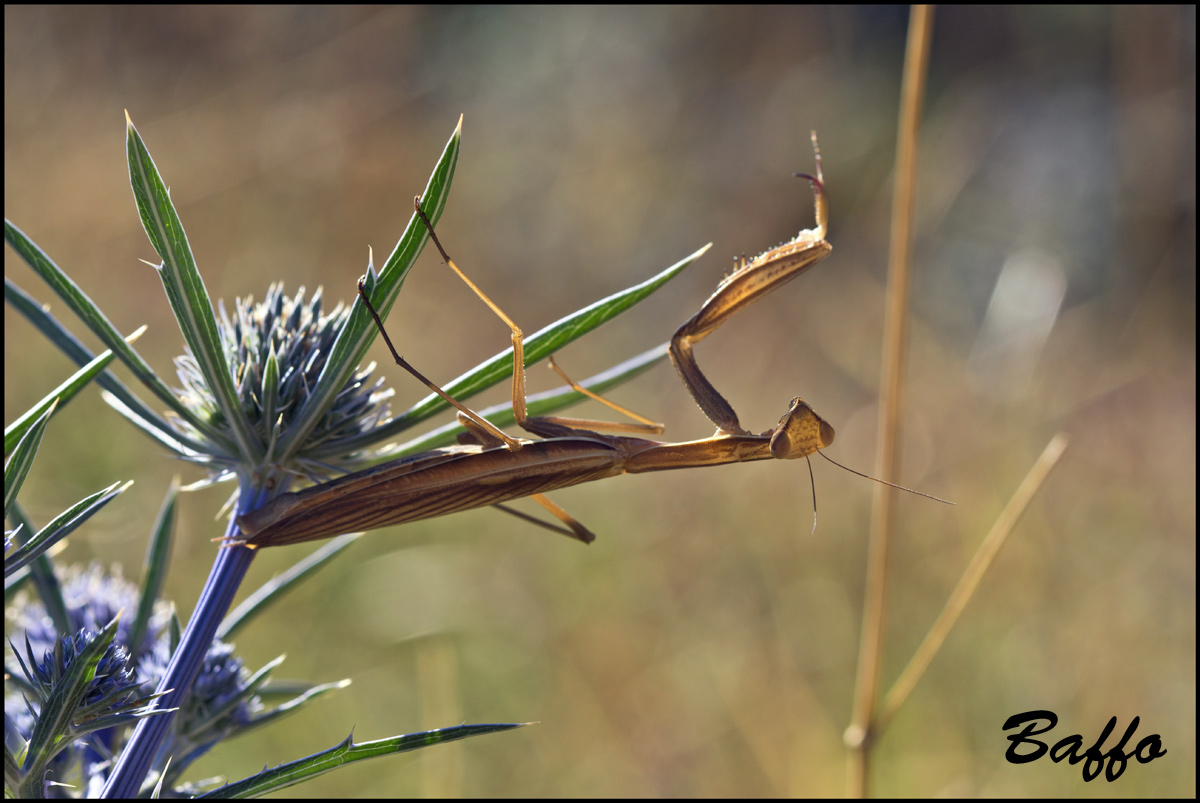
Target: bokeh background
(706,644)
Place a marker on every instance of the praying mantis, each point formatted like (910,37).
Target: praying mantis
(496,467)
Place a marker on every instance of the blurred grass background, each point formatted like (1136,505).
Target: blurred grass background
(706,644)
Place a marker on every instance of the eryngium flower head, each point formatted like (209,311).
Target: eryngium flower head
(93,597)
(222,701)
(115,683)
(277,349)
(75,744)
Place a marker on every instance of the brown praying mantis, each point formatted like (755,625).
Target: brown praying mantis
(496,467)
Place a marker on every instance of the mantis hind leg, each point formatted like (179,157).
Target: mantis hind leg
(573,529)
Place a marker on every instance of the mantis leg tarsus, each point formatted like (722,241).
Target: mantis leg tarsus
(477,434)
(573,529)
(578,531)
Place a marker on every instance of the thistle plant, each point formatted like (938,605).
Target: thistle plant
(119,704)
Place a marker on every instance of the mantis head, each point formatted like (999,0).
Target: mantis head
(800,432)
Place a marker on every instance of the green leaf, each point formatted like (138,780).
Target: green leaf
(278,586)
(91,315)
(60,395)
(154,573)
(156,428)
(269,393)
(356,337)
(56,333)
(41,572)
(16,468)
(309,693)
(186,292)
(347,752)
(63,525)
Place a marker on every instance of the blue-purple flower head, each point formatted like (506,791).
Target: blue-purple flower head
(277,349)
(220,703)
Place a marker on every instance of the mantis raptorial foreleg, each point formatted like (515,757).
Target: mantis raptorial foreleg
(741,288)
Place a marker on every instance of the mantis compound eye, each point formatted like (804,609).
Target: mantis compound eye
(827,433)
